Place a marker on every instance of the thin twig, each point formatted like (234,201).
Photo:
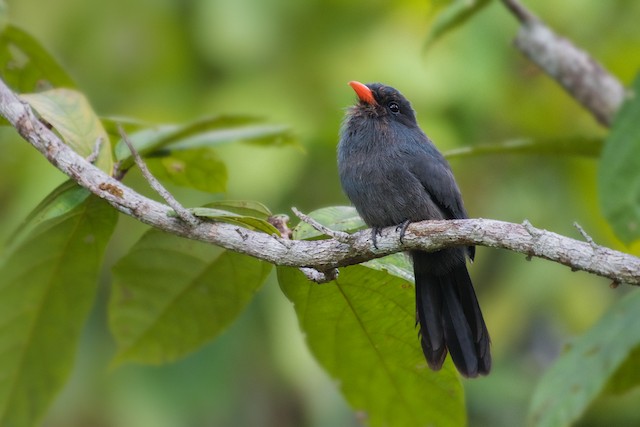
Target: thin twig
(533,232)
(520,12)
(91,158)
(318,276)
(280,223)
(588,238)
(180,210)
(340,236)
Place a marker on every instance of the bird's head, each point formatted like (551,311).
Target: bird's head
(384,102)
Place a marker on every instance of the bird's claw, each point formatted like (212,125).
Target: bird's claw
(402,228)
(375,232)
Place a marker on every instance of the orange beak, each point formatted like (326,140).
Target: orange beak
(363,92)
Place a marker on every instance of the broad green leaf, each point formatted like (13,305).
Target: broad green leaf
(26,66)
(361,329)
(396,264)
(61,200)
(200,169)
(619,170)
(171,295)
(581,374)
(455,14)
(627,376)
(590,147)
(47,286)
(71,115)
(207,132)
(339,218)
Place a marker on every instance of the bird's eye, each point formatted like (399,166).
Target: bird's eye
(393,107)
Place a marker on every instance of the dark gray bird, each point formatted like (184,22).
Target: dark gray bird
(393,174)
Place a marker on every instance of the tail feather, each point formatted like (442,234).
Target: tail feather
(457,333)
(449,314)
(429,309)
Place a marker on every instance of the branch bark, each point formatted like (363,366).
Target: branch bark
(581,76)
(321,255)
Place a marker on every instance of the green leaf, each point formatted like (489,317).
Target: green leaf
(627,376)
(129,124)
(61,200)
(171,295)
(207,132)
(71,115)
(396,264)
(47,286)
(26,66)
(258,134)
(361,329)
(619,171)
(454,15)
(200,169)
(249,222)
(339,218)
(243,213)
(578,146)
(364,323)
(242,207)
(580,374)
(4,15)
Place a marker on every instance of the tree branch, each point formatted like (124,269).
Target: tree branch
(321,255)
(581,75)
(182,213)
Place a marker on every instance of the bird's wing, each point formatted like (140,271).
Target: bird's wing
(435,175)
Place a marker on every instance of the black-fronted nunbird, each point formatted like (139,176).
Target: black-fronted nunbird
(394,174)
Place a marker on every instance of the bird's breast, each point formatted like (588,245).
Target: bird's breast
(384,191)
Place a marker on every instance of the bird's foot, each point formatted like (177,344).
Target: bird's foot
(402,228)
(375,232)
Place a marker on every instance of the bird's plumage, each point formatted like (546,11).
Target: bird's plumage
(393,173)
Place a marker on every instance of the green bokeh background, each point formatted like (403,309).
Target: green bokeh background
(289,61)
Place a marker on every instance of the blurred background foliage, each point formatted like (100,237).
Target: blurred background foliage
(177,60)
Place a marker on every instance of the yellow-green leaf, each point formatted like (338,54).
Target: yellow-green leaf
(71,115)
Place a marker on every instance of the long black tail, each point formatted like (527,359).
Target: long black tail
(449,314)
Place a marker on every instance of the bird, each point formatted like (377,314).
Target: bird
(393,174)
